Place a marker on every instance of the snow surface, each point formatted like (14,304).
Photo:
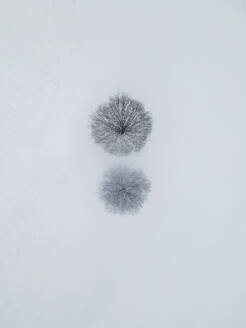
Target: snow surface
(65,262)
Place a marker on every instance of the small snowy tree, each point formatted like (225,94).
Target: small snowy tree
(124,190)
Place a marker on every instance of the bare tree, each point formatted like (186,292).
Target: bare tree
(124,190)
(121,125)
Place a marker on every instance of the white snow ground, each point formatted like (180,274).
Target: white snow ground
(64,261)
